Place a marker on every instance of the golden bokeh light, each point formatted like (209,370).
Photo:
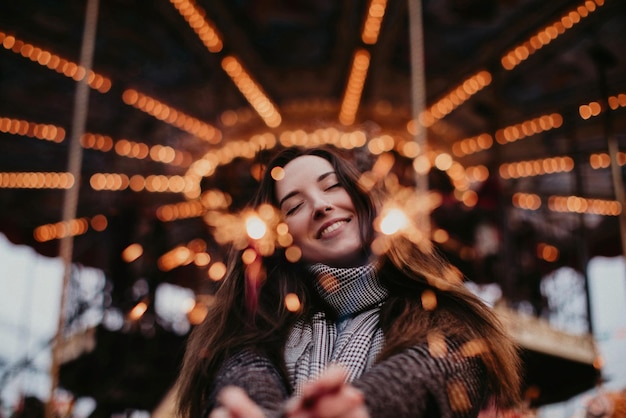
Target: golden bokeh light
(292,302)
(55,62)
(393,221)
(354,88)
(547,252)
(36,180)
(429,300)
(217,271)
(252,91)
(138,311)
(293,254)
(278,173)
(42,131)
(197,313)
(99,223)
(437,346)
(204,28)
(547,34)
(132,252)
(458,396)
(371,27)
(249,256)
(255,227)
(202,259)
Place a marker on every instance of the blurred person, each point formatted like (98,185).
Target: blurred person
(389,335)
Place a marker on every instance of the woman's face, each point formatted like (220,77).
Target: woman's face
(320,213)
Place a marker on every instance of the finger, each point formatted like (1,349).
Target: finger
(360,412)
(343,404)
(331,380)
(220,413)
(298,413)
(238,404)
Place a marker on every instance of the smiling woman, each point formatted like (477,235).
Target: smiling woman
(319,213)
(374,334)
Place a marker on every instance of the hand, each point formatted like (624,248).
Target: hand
(235,403)
(328,397)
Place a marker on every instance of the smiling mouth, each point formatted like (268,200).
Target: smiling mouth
(332,227)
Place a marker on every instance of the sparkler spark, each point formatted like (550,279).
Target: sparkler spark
(393,221)
(255,227)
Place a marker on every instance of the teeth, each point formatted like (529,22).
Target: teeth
(331,228)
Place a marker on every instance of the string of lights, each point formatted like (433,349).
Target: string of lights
(546,35)
(379,145)
(54,62)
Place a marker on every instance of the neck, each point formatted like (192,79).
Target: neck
(349,290)
(362,259)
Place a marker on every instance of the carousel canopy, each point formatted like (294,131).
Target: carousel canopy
(510,110)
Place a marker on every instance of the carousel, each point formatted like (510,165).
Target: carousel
(133,134)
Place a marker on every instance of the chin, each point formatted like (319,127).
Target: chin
(349,261)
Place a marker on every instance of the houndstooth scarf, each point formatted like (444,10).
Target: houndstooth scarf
(353,341)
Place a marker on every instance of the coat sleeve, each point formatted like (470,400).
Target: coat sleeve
(410,384)
(414,383)
(256,375)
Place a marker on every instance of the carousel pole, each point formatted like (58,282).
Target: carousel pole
(603,59)
(70,201)
(418,97)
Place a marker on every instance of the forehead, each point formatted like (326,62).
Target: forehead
(302,171)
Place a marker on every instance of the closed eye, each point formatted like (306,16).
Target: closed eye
(333,186)
(293,210)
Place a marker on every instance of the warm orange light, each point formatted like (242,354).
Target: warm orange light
(547,252)
(203,27)
(176,257)
(354,88)
(132,252)
(138,310)
(536,167)
(278,173)
(99,223)
(61,229)
(36,180)
(429,300)
(54,62)
(255,227)
(248,256)
(544,36)
(578,204)
(252,91)
(197,313)
(455,98)
(217,271)
(440,235)
(202,259)
(292,302)
(182,210)
(32,130)
(371,28)
(516,132)
(171,116)
(293,254)
(527,201)
(393,221)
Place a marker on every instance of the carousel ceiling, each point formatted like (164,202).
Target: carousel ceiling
(518,99)
(521,94)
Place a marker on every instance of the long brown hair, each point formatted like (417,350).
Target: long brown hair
(427,299)
(406,270)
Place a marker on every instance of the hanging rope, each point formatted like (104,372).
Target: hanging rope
(70,203)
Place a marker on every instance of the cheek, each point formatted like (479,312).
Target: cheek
(297,227)
(345,201)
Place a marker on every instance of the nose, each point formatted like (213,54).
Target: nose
(322,208)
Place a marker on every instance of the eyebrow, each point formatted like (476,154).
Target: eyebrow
(295,192)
